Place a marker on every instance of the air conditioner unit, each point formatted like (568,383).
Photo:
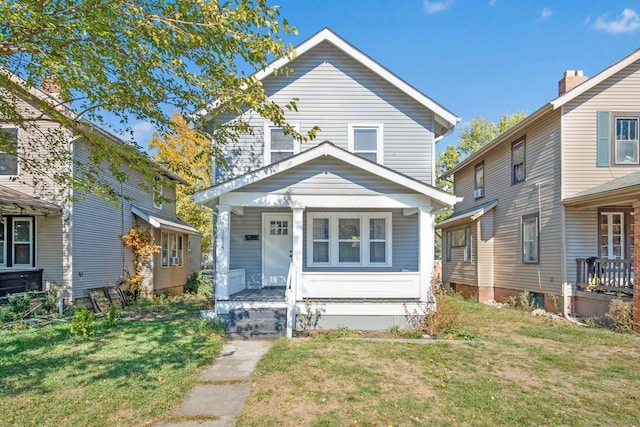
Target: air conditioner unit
(173,260)
(479,192)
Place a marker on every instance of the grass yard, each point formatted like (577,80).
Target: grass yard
(132,375)
(532,371)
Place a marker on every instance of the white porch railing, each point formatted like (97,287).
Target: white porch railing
(290,296)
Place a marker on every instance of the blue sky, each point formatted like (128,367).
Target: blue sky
(476,57)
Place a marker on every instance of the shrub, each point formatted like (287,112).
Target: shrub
(111,316)
(199,284)
(20,304)
(621,315)
(309,319)
(82,323)
(436,321)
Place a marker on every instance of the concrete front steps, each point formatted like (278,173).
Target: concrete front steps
(259,323)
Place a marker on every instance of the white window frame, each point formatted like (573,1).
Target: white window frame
(174,242)
(527,219)
(157,192)
(13,241)
(364,217)
(379,152)
(7,176)
(267,140)
(632,141)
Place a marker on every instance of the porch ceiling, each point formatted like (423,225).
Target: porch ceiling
(14,202)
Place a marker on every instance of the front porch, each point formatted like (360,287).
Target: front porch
(605,275)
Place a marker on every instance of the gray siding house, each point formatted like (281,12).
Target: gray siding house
(550,206)
(344,222)
(47,241)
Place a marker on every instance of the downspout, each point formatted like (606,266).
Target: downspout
(567,288)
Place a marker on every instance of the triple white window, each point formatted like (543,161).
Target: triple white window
(278,145)
(365,140)
(349,239)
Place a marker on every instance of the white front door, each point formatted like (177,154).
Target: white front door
(277,244)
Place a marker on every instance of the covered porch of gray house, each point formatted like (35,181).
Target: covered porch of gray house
(21,210)
(609,268)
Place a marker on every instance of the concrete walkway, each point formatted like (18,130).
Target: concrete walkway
(223,387)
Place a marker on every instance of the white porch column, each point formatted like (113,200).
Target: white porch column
(427,236)
(296,259)
(223,239)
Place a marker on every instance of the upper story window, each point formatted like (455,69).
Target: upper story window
(9,161)
(626,140)
(517,161)
(365,140)
(479,181)
(278,145)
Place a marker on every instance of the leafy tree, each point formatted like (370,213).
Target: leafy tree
(183,150)
(121,60)
(483,131)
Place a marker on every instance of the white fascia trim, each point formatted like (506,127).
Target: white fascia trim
(330,36)
(595,80)
(326,149)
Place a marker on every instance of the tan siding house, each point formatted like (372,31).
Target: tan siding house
(77,245)
(556,204)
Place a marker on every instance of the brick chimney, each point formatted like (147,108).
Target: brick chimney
(50,85)
(570,80)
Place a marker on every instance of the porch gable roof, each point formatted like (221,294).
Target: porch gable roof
(325,149)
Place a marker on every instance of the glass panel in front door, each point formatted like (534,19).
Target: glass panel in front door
(612,235)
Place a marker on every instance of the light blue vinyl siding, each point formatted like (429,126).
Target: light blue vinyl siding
(334,91)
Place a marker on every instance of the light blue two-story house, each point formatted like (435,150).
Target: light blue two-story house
(345,222)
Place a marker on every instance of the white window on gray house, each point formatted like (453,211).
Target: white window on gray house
(626,141)
(278,145)
(517,161)
(22,241)
(349,239)
(530,239)
(377,240)
(171,250)
(365,140)
(479,181)
(321,240)
(8,146)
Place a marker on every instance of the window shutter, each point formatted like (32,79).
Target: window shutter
(604,137)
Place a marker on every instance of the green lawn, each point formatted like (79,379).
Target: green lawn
(531,371)
(131,375)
